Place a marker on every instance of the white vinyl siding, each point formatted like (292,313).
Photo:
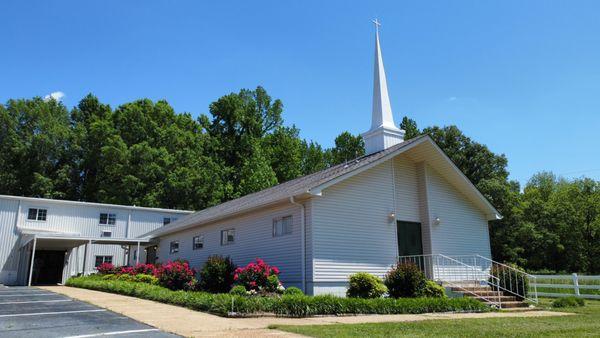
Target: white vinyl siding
(351,229)
(463,229)
(253,239)
(407,203)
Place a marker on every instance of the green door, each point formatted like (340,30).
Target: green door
(409,239)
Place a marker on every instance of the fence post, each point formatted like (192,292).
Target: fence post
(576,284)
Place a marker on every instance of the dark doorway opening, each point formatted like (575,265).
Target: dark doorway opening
(410,242)
(48,267)
(151,254)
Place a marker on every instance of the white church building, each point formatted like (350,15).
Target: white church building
(403,198)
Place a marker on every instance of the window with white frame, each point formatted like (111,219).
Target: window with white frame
(174,247)
(169,220)
(227,236)
(198,242)
(108,218)
(282,226)
(103,259)
(36,214)
(106,233)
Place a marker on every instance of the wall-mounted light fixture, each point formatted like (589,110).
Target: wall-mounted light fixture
(437,221)
(391,217)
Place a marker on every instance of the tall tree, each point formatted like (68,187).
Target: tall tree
(410,128)
(347,147)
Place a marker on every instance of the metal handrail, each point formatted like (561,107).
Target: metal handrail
(476,275)
(516,271)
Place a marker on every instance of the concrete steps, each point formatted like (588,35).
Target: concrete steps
(485,294)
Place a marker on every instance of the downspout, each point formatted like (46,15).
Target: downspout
(302,241)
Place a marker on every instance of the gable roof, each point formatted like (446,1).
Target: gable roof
(311,184)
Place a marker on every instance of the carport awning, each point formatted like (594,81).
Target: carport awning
(67,241)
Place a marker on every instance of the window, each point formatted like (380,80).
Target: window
(106,233)
(174,247)
(227,236)
(103,259)
(198,242)
(36,214)
(108,219)
(282,226)
(169,220)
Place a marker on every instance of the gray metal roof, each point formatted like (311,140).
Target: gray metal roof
(295,187)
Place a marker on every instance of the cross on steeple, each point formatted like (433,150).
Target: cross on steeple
(377,24)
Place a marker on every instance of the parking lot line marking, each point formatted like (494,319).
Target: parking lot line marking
(114,333)
(30,294)
(38,301)
(50,313)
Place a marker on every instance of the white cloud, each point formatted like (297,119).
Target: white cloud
(54,95)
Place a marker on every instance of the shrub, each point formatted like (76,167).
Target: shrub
(216,274)
(238,290)
(365,285)
(109,276)
(433,290)
(405,280)
(144,269)
(106,268)
(287,305)
(145,278)
(570,301)
(292,290)
(125,270)
(508,279)
(125,277)
(258,276)
(176,275)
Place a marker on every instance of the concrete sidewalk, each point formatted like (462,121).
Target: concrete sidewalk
(191,323)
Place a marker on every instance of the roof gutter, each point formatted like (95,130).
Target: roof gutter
(302,241)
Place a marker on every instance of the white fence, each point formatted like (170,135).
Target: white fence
(579,286)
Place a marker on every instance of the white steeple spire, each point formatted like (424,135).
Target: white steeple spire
(383,133)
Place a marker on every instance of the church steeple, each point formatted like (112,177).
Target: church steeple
(383,133)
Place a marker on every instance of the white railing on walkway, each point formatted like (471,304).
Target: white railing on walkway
(574,283)
(512,280)
(457,274)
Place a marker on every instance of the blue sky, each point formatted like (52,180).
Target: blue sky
(522,77)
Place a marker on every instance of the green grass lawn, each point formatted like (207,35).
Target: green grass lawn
(586,322)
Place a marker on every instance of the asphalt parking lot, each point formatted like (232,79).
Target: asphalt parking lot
(32,312)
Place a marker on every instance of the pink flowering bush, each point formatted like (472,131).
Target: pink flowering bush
(258,276)
(106,268)
(145,269)
(176,275)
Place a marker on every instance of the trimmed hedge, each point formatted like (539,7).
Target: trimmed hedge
(286,305)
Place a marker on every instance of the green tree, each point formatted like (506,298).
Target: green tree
(410,128)
(347,147)
(284,150)
(36,138)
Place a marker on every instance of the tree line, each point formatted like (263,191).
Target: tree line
(144,153)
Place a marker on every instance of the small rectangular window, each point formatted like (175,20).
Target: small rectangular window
(103,259)
(282,226)
(227,236)
(35,214)
(169,220)
(198,242)
(174,247)
(106,234)
(108,219)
